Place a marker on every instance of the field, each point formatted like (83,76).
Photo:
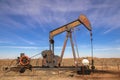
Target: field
(109,66)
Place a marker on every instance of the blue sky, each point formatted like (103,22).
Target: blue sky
(25,26)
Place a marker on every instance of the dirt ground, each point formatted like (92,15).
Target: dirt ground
(113,73)
(57,75)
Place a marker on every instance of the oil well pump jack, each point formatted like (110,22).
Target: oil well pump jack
(50,60)
(81,20)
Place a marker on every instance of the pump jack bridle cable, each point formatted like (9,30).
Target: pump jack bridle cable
(91,44)
(92,67)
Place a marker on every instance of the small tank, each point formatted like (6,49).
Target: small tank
(84,68)
(85,62)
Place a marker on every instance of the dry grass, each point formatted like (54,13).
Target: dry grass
(110,64)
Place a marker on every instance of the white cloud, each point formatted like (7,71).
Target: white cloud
(23,47)
(106,17)
(3,41)
(42,11)
(117,41)
(107,49)
(25,40)
(46,11)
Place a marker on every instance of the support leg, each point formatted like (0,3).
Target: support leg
(73,50)
(63,49)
